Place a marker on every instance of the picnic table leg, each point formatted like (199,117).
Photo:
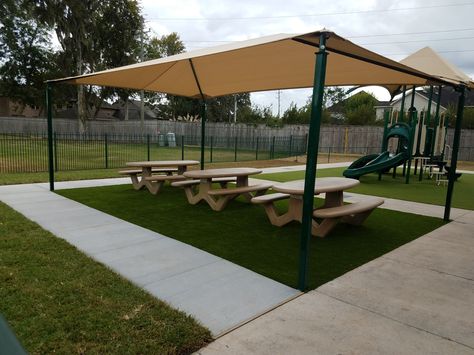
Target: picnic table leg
(241,182)
(182,169)
(136,183)
(334,199)
(294,213)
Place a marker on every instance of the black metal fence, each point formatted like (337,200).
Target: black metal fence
(29,152)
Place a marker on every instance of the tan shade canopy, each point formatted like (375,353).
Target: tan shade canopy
(428,61)
(275,62)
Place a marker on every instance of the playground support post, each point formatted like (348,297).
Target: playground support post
(402,107)
(312,157)
(386,118)
(413,120)
(49,110)
(454,154)
(436,123)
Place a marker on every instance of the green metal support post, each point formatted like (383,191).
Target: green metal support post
(386,118)
(49,110)
(413,121)
(402,108)
(428,123)
(454,155)
(311,159)
(436,122)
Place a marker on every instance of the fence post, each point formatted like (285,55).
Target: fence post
(256,150)
(212,145)
(329,154)
(291,141)
(55,152)
(148,147)
(235,149)
(106,151)
(272,151)
(182,147)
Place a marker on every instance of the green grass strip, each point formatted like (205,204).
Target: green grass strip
(58,300)
(242,233)
(425,191)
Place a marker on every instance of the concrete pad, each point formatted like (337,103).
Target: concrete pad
(160,259)
(438,255)
(467,218)
(99,239)
(240,296)
(318,324)
(438,303)
(59,222)
(455,232)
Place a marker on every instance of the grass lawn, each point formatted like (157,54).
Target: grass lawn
(57,300)
(242,233)
(425,191)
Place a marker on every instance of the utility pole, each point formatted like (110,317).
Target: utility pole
(235,108)
(279,96)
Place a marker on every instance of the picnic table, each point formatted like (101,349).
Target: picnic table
(329,215)
(200,187)
(155,173)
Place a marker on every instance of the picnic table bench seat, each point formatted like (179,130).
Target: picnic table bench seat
(154,170)
(267,199)
(354,213)
(194,182)
(164,177)
(260,188)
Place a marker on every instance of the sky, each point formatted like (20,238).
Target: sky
(393,28)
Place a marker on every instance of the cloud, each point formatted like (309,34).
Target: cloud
(223,20)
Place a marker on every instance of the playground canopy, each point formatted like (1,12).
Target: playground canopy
(279,61)
(428,61)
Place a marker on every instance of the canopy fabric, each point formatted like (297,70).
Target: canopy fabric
(268,63)
(428,61)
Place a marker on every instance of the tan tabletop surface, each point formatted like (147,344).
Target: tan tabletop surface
(163,163)
(225,172)
(326,184)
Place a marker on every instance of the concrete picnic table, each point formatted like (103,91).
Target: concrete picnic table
(154,182)
(217,199)
(332,210)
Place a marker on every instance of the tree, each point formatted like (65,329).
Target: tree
(93,35)
(333,95)
(359,109)
(27,58)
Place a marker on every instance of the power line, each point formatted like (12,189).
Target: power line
(417,41)
(364,36)
(307,15)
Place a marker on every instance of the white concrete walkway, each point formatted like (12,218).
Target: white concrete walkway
(218,293)
(417,299)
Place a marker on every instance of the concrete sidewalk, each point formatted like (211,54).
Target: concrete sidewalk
(218,293)
(417,299)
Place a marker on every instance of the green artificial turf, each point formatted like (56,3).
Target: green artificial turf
(241,233)
(425,191)
(57,300)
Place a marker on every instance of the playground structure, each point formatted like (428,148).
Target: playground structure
(407,136)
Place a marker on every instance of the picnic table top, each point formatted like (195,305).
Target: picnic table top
(325,184)
(162,163)
(225,172)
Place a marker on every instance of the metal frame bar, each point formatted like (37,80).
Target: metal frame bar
(311,159)
(454,155)
(49,110)
(203,113)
